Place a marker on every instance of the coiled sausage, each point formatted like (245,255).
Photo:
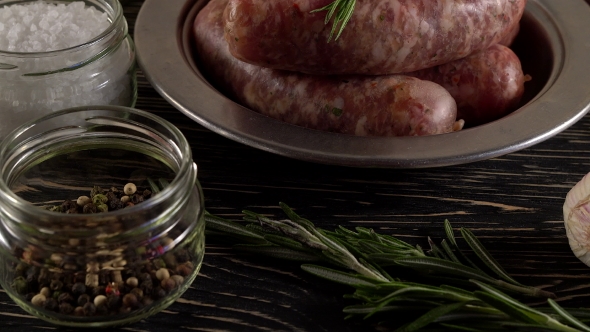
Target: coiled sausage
(392,105)
(486,85)
(382,37)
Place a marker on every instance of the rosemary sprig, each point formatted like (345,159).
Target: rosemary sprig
(364,259)
(343,10)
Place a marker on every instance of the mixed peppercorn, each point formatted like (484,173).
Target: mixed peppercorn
(105,282)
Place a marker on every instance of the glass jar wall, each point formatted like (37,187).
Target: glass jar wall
(76,252)
(100,71)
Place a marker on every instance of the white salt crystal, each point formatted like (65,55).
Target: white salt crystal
(68,25)
(41,84)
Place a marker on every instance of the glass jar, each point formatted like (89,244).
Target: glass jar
(72,267)
(98,72)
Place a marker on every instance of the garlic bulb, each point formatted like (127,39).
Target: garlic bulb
(576,215)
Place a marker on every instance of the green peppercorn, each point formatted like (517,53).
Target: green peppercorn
(20,285)
(95,191)
(102,208)
(99,199)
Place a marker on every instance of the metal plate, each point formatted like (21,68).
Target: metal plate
(553,46)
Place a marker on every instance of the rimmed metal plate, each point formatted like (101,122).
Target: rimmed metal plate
(553,46)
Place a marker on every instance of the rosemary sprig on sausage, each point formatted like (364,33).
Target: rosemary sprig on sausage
(343,10)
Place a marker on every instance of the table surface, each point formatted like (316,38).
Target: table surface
(512,203)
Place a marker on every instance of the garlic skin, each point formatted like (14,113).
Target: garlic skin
(576,216)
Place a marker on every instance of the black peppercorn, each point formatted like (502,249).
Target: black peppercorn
(89,309)
(170,261)
(79,311)
(137,292)
(130,301)
(146,286)
(136,199)
(113,301)
(83,299)
(32,274)
(96,291)
(43,278)
(65,297)
(89,208)
(168,284)
(65,308)
(183,270)
(29,296)
(51,304)
(78,288)
(159,292)
(56,285)
(68,204)
(182,256)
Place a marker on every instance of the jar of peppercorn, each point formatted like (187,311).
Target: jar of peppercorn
(101,216)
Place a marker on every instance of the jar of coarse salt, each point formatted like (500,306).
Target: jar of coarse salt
(61,54)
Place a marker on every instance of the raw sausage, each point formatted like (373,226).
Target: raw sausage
(382,37)
(392,105)
(486,85)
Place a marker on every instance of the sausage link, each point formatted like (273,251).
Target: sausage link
(486,85)
(382,37)
(392,105)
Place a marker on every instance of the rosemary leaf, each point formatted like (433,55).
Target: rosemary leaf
(343,10)
(506,307)
(436,250)
(232,229)
(567,316)
(451,236)
(430,317)
(444,267)
(534,315)
(295,217)
(338,276)
(284,241)
(449,251)
(485,256)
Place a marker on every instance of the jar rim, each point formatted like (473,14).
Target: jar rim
(117,18)
(185,166)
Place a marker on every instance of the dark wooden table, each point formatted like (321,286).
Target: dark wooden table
(513,203)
